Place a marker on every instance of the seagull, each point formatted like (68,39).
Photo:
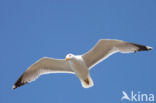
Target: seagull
(79,65)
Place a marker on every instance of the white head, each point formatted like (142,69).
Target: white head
(69,56)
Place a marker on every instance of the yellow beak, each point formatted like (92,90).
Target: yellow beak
(67,59)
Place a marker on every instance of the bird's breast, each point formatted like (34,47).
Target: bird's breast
(79,67)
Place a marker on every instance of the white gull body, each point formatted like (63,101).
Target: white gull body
(79,64)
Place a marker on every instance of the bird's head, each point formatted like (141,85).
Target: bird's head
(69,57)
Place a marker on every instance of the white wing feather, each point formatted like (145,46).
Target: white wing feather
(43,66)
(105,47)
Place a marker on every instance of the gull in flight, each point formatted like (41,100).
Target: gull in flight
(79,64)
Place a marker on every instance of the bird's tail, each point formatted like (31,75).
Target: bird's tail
(87,83)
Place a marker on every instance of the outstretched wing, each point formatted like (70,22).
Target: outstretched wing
(105,47)
(43,66)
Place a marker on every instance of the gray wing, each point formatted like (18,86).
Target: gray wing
(43,66)
(105,47)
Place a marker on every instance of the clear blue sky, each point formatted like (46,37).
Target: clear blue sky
(31,29)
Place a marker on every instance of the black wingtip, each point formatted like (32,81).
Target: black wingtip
(18,83)
(143,48)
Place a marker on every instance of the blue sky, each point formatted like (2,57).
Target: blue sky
(31,29)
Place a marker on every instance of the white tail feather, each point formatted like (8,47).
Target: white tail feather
(87,84)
